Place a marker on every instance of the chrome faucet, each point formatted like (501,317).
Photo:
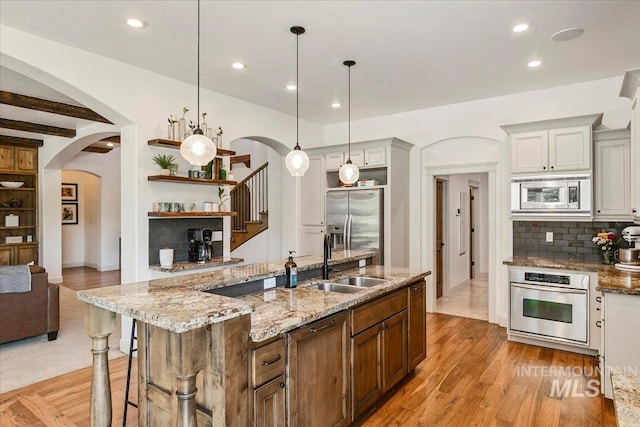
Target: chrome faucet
(327,256)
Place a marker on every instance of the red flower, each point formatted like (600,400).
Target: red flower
(611,236)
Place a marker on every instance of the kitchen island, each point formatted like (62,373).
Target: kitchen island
(196,348)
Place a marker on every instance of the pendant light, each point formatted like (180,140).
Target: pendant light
(349,172)
(197,149)
(297,161)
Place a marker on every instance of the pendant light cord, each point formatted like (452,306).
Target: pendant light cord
(297,91)
(349,115)
(198,109)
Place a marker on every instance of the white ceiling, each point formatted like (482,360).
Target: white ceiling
(409,54)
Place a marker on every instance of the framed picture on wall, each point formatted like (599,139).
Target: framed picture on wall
(69,192)
(69,213)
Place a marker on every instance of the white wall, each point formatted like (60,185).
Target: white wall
(105,247)
(138,102)
(73,235)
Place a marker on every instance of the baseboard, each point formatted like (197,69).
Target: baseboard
(73,265)
(55,280)
(455,287)
(108,268)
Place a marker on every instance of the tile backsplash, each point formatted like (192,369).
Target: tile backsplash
(571,239)
(172,233)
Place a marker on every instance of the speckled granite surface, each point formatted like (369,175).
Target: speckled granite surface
(280,310)
(177,303)
(626,397)
(186,265)
(610,279)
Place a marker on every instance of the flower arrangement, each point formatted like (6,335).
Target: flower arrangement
(606,241)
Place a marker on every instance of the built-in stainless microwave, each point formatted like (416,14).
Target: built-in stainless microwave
(557,194)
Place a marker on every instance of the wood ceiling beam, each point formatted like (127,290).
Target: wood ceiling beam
(37,128)
(115,139)
(101,150)
(23,101)
(24,142)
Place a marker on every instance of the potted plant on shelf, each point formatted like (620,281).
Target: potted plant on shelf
(164,161)
(222,196)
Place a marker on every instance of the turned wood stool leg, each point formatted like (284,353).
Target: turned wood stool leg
(99,324)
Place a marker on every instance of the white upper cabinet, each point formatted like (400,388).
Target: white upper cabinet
(612,175)
(313,190)
(558,145)
(361,157)
(375,156)
(333,161)
(529,152)
(570,149)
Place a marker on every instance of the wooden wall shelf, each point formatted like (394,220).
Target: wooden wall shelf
(167,143)
(17,189)
(187,180)
(189,214)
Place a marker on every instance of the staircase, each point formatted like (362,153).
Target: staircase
(249,198)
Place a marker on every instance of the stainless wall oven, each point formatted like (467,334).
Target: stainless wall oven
(549,306)
(553,195)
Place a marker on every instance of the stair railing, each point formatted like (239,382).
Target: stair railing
(250,197)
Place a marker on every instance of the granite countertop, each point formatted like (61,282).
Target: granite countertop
(275,311)
(610,279)
(626,397)
(178,303)
(186,265)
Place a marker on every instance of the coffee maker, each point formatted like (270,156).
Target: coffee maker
(200,244)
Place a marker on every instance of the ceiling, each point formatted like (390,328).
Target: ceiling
(410,54)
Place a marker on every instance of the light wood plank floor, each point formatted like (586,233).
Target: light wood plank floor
(472,376)
(83,278)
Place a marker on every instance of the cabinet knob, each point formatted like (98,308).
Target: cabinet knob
(544,168)
(599,299)
(598,210)
(551,167)
(282,385)
(599,324)
(634,210)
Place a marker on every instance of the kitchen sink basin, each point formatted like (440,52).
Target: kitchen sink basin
(361,281)
(335,287)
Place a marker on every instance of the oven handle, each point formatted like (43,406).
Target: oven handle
(550,289)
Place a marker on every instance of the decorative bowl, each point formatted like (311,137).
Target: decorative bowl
(12,184)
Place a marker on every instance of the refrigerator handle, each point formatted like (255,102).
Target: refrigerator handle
(350,224)
(345,232)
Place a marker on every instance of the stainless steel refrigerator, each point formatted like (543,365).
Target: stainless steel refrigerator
(355,220)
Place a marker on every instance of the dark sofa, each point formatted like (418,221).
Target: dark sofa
(24,315)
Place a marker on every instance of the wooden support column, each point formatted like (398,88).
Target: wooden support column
(187,358)
(99,324)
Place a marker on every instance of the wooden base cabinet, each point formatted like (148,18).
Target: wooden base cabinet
(269,403)
(319,372)
(417,324)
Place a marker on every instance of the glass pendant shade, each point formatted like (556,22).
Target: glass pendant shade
(197,149)
(349,173)
(297,162)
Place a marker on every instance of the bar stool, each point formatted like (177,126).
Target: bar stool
(127,402)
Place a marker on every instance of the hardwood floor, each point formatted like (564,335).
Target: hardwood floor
(472,376)
(83,278)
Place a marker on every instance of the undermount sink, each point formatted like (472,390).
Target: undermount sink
(361,281)
(335,287)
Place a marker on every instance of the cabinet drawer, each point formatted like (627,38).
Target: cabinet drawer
(267,362)
(376,311)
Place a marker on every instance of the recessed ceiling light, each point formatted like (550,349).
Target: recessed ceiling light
(520,28)
(238,65)
(136,23)
(109,144)
(291,87)
(534,64)
(336,105)
(567,34)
